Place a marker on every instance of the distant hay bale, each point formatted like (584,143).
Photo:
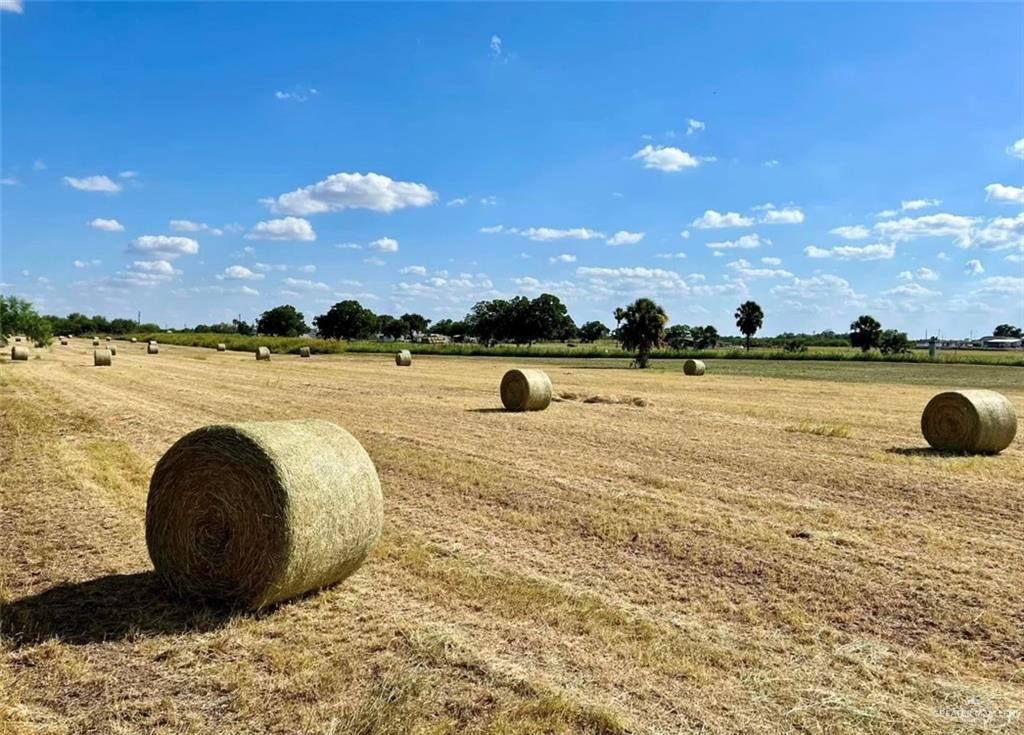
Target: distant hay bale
(63,341)
(254,513)
(39,344)
(134,340)
(403,358)
(152,348)
(108,338)
(17,339)
(19,352)
(526,390)
(981,421)
(221,347)
(113,349)
(102,358)
(303,352)
(262,353)
(152,342)
(95,342)
(693,367)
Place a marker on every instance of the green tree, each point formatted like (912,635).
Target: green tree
(548,319)
(1006,330)
(641,328)
(391,327)
(593,331)
(346,320)
(678,337)
(704,338)
(414,323)
(282,321)
(749,319)
(865,333)
(488,320)
(122,326)
(18,317)
(892,342)
(244,328)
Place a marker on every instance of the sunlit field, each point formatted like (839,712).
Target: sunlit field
(768,548)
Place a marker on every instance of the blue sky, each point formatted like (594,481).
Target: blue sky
(200,161)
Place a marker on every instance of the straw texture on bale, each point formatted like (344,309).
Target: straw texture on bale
(19,352)
(152,349)
(262,353)
(95,342)
(102,358)
(221,347)
(693,367)
(526,390)
(254,513)
(403,358)
(981,421)
(303,352)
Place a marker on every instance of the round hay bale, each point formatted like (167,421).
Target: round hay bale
(39,345)
(152,349)
(63,341)
(95,342)
(303,352)
(19,352)
(134,340)
(981,421)
(254,513)
(113,349)
(262,353)
(152,342)
(17,339)
(526,390)
(221,347)
(693,367)
(102,358)
(403,358)
(108,338)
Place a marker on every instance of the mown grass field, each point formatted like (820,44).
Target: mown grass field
(770,548)
(601,349)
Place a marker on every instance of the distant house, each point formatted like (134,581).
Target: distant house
(1001,343)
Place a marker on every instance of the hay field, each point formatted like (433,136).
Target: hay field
(733,553)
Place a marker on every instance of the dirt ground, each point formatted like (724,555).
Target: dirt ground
(728,554)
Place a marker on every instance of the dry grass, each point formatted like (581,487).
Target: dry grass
(689,567)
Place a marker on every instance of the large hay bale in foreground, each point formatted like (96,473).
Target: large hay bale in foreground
(526,390)
(254,513)
(221,347)
(262,353)
(152,349)
(693,367)
(102,358)
(980,421)
(303,352)
(403,358)
(19,352)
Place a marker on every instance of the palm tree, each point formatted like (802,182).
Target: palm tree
(749,319)
(865,333)
(641,328)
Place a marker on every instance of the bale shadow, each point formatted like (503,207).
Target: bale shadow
(110,608)
(931,452)
(486,410)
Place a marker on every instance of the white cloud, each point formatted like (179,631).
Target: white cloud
(745,242)
(877,251)
(851,232)
(784,216)
(667,158)
(87,263)
(187,225)
(289,228)
(384,245)
(823,286)
(1015,258)
(457,202)
(771,163)
(343,191)
(374,260)
(685,234)
(745,270)
(129,174)
(912,290)
(563,258)
(107,225)
(248,291)
(1016,149)
(712,220)
(1002,285)
(932,225)
(622,237)
(493,230)
(159,267)
(680,255)
(165,245)
(921,274)
(39,165)
(9,181)
(772,261)
(11,6)
(547,234)
(301,284)
(416,270)
(914,204)
(973,267)
(239,273)
(297,95)
(489,201)
(1000,233)
(886,213)
(694,126)
(1002,193)
(495,45)
(348,246)
(93,183)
